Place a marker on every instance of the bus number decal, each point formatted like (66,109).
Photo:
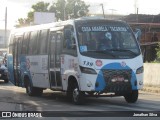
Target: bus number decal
(86,63)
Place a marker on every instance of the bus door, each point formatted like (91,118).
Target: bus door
(54,59)
(16,60)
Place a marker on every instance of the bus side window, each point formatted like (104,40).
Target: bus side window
(19,42)
(55,48)
(15,50)
(52,48)
(25,43)
(58,47)
(43,41)
(67,39)
(11,44)
(69,43)
(33,43)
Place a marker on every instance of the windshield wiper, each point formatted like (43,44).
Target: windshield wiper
(103,52)
(124,50)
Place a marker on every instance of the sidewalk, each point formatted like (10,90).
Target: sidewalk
(152,89)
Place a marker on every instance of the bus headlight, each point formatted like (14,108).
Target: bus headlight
(140,70)
(87,70)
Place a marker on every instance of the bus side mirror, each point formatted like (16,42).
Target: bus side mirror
(137,33)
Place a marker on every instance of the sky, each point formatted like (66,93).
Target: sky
(19,8)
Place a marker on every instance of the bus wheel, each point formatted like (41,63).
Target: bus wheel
(131,97)
(39,91)
(33,91)
(6,80)
(77,95)
(29,89)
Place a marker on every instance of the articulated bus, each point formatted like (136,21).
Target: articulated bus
(81,57)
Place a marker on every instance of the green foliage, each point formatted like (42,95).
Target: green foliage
(63,9)
(157,60)
(76,8)
(158,53)
(59,9)
(40,7)
(22,22)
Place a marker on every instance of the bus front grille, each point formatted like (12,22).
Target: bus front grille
(117,81)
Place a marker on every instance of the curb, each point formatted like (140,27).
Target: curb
(152,89)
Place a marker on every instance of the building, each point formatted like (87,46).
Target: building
(3,41)
(150,38)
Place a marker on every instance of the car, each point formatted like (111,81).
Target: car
(3,70)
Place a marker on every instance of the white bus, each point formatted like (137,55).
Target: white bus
(82,57)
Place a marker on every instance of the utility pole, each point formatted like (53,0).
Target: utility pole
(5,34)
(137,15)
(112,10)
(64,11)
(103,10)
(74,9)
(135,5)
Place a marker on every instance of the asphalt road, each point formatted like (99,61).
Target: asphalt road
(14,98)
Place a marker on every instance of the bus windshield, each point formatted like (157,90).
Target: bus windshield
(107,41)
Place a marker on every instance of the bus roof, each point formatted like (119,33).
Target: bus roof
(59,24)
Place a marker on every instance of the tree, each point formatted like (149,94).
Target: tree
(76,8)
(158,53)
(39,7)
(63,9)
(59,9)
(69,9)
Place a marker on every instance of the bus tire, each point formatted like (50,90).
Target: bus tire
(77,95)
(131,97)
(69,95)
(33,91)
(6,80)
(39,91)
(29,89)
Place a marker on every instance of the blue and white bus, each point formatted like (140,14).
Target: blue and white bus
(82,57)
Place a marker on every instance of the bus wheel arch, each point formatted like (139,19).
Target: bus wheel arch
(73,91)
